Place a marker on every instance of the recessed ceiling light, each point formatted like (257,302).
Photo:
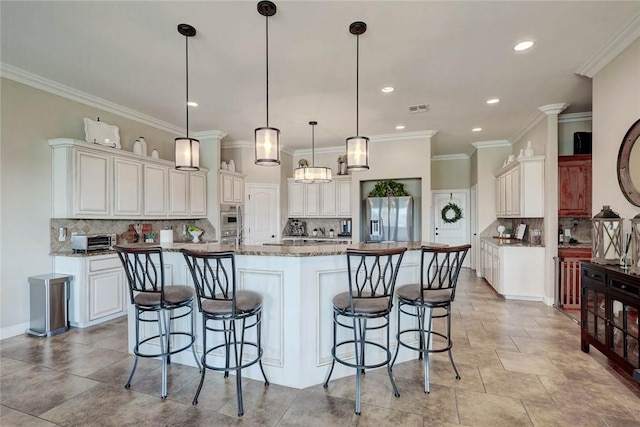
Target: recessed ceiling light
(493,100)
(523,45)
(399,127)
(388,89)
(476,129)
(192,104)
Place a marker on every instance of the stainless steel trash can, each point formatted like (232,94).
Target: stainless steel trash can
(49,303)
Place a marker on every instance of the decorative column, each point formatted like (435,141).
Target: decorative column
(551,198)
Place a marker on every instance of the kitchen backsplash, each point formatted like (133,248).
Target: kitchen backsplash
(325,224)
(512,224)
(581,228)
(107,226)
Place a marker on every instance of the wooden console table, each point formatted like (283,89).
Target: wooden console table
(610,306)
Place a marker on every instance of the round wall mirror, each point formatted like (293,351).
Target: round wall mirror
(629,164)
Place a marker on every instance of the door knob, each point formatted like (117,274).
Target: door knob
(273,236)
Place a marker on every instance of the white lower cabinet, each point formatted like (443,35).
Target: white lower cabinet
(98,291)
(514,271)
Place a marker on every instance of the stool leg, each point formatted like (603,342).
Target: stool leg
(204,360)
(227,345)
(193,337)
(164,348)
(396,393)
(393,362)
(357,324)
(333,352)
(135,348)
(427,344)
(259,333)
(449,341)
(238,355)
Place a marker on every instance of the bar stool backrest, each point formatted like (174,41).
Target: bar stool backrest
(442,269)
(144,268)
(373,273)
(214,276)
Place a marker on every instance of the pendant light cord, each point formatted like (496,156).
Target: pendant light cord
(186,41)
(357,85)
(267,57)
(313,146)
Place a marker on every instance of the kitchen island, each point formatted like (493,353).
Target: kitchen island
(297,284)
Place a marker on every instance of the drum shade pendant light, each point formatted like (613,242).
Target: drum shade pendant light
(357,146)
(187,149)
(312,174)
(267,139)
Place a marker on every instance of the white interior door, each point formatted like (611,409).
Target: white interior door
(451,233)
(473,231)
(262,214)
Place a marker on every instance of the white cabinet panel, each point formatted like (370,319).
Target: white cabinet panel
(296,199)
(312,200)
(343,198)
(178,192)
(328,195)
(231,188)
(198,194)
(520,189)
(155,190)
(127,190)
(106,293)
(92,184)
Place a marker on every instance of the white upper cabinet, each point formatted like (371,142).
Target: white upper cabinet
(330,199)
(520,189)
(127,189)
(93,181)
(231,187)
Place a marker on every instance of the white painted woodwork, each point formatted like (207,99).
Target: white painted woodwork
(515,272)
(98,291)
(178,192)
(197,194)
(92,184)
(262,214)
(330,200)
(456,233)
(231,187)
(297,315)
(156,190)
(127,188)
(94,181)
(520,189)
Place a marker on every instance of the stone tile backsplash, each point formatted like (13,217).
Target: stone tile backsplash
(108,226)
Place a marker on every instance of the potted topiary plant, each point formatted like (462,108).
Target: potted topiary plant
(388,188)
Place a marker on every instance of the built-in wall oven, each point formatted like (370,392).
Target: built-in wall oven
(230,224)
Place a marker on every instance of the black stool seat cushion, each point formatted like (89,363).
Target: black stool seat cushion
(246,302)
(411,294)
(172,295)
(365,305)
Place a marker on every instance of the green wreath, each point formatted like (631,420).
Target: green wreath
(457,213)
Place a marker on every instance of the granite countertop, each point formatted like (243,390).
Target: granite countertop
(510,242)
(264,250)
(585,245)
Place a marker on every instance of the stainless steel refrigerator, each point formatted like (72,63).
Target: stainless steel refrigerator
(389,219)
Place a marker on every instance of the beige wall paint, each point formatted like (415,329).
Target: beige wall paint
(473,169)
(565,134)
(30,117)
(408,158)
(538,137)
(450,174)
(616,106)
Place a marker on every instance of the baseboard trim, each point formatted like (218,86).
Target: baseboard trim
(13,330)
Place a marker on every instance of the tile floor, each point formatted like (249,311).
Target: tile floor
(520,364)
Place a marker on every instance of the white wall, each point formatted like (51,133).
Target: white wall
(28,118)
(566,129)
(450,173)
(538,137)
(616,106)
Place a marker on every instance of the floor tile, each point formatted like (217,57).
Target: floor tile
(13,418)
(482,409)
(527,363)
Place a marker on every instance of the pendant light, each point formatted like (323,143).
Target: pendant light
(187,149)
(267,139)
(357,146)
(312,174)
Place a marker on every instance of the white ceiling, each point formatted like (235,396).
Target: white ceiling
(450,55)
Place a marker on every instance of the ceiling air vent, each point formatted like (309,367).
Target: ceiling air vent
(420,108)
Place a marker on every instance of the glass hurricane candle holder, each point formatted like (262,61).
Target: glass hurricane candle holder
(607,237)
(635,245)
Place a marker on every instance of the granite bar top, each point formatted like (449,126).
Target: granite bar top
(581,245)
(510,242)
(264,250)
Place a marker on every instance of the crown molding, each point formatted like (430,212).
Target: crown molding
(491,144)
(210,134)
(339,149)
(236,144)
(450,157)
(622,40)
(575,117)
(551,109)
(533,120)
(33,80)
(403,136)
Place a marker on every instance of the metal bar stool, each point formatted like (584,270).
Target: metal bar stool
(437,289)
(372,278)
(228,311)
(144,268)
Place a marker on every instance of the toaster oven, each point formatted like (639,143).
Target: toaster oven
(92,242)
